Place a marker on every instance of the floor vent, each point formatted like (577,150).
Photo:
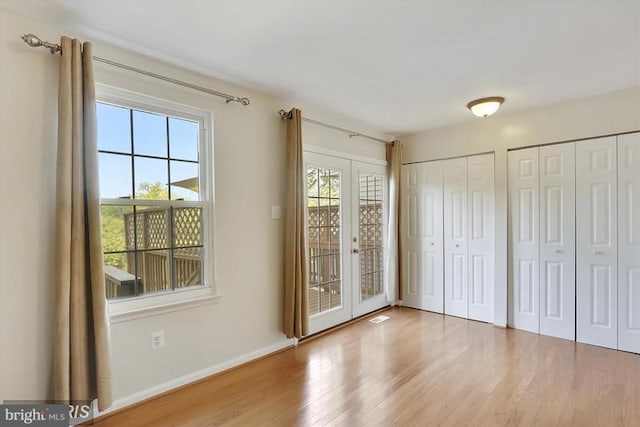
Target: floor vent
(379,319)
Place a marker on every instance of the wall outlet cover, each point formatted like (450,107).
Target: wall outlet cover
(157,340)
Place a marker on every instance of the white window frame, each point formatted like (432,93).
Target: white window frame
(178,299)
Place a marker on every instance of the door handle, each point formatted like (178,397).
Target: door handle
(433,244)
(558,251)
(598,253)
(457,245)
(356,251)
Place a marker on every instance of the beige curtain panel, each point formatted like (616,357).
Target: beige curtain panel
(394,246)
(81,362)
(296,314)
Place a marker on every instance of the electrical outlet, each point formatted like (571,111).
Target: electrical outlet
(157,340)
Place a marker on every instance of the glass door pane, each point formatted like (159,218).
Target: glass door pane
(328,186)
(323,233)
(371,225)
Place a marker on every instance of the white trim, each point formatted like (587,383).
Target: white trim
(121,310)
(138,101)
(342,155)
(195,376)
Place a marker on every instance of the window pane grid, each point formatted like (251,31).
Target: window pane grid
(148,156)
(149,248)
(323,233)
(370,232)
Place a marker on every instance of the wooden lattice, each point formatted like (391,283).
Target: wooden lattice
(187,227)
(151,236)
(324,222)
(152,228)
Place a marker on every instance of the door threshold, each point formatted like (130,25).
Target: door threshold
(343,324)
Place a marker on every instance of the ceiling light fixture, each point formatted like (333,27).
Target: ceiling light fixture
(484,107)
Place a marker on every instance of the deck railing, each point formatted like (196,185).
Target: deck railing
(147,239)
(325,251)
(148,232)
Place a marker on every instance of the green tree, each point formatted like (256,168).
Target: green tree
(321,185)
(152,191)
(113,224)
(113,235)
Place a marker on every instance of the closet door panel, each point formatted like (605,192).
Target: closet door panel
(557,240)
(411,232)
(524,244)
(432,237)
(596,239)
(629,242)
(455,237)
(480,236)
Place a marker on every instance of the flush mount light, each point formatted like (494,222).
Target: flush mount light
(484,107)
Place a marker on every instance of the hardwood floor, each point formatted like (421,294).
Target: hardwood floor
(417,368)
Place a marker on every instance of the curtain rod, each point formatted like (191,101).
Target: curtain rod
(35,41)
(352,134)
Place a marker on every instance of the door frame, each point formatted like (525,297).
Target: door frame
(350,168)
(376,302)
(329,318)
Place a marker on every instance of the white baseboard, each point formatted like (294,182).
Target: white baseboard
(189,378)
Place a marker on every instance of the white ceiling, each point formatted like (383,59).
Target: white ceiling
(401,66)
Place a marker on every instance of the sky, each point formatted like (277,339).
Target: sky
(150,139)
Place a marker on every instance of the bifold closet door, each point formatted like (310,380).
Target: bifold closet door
(432,237)
(557,240)
(411,231)
(423,236)
(455,237)
(524,238)
(480,236)
(629,242)
(596,239)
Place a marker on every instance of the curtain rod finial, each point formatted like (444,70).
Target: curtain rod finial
(35,41)
(32,40)
(243,101)
(284,114)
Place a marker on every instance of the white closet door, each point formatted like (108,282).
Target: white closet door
(557,240)
(480,236)
(596,238)
(412,245)
(432,237)
(524,238)
(629,242)
(455,237)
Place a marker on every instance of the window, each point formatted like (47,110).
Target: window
(156,202)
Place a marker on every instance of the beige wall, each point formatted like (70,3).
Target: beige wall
(246,321)
(249,179)
(589,117)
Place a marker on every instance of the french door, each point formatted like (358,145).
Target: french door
(346,223)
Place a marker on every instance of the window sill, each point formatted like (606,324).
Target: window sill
(127,310)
